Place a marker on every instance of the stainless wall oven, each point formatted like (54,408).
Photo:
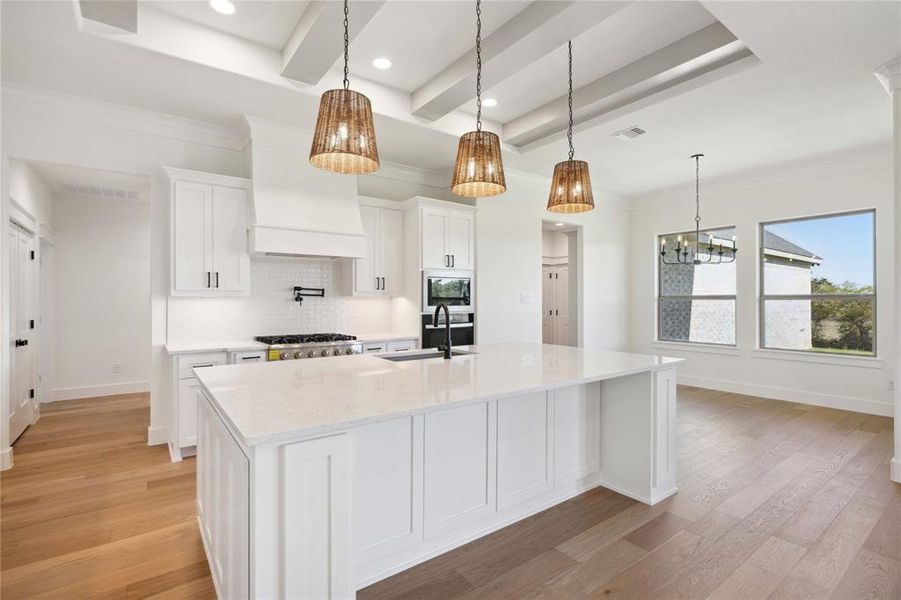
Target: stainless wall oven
(454,288)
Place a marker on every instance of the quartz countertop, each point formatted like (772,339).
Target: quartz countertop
(386,337)
(283,400)
(226,346)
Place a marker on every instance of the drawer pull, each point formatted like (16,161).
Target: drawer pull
(199,366)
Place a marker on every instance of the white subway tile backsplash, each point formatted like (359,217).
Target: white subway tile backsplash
(271,309)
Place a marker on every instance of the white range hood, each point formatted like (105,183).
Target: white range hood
(298,210)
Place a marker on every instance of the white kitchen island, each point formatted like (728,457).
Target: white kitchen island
(318,477)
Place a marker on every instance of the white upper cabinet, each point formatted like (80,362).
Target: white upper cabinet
(209,234)
(447,238)
(379,272)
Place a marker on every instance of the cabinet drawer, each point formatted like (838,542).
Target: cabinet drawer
(186,364)
(248,356)
(401,345)
(372,347)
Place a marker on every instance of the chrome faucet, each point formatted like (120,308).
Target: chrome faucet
(446,347)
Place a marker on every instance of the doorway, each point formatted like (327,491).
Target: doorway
(560,283)
(22,316)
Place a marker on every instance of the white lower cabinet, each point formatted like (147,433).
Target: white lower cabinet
(185,387)
(525,447)
(576,416)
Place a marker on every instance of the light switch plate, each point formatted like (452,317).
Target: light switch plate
(527,298)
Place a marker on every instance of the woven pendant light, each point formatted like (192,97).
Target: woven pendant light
(479,170)
(344,138)
(571,185)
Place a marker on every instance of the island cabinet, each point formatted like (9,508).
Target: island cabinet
(324,515)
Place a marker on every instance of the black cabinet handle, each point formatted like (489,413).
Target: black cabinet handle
(453,260)
(383,283)
(217,279)
(208,279)
(251,357)
(200,366)
(447,260)
(376,283)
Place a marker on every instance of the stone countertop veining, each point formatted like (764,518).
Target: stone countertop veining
(283,400)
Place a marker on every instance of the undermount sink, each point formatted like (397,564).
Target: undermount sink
(421,355)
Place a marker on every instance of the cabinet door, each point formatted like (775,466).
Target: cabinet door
(561,311)
(366,268)
(460,241)
(390,255)
(548,302)
(230,261)
(434,240)
(524,448)
(187,412)
(191,241)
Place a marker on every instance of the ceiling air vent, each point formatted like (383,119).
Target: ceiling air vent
(100,191)
(628,134)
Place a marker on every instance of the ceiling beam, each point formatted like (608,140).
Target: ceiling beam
(693,58)
(317,41)
(533,32)
(107,16)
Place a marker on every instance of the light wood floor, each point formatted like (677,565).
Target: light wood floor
(777,500)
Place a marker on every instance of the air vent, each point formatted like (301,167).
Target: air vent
(97,191)
(628,134)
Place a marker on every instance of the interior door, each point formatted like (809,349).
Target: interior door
(547,305)
(390,252)
(229,240)
(434,240)
(459,241)
(366,268)
(191,214)
(561,311)
(22,318)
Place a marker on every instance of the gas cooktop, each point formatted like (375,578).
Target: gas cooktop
(304,338)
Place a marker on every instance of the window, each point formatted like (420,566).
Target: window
(696,303)
(818,284)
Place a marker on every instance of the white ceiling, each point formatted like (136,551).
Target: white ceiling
(813,93)
(266,22)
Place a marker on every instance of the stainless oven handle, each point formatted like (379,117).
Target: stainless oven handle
(453,326)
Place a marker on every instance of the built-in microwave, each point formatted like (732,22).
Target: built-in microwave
(454,288)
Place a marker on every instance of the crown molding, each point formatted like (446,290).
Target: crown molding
(265,130)
(409,174)
(877,154)
(117,116)
(889,75)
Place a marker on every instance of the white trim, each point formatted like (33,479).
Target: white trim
(117,116)
(862,405)
(106,389)
(696,347)
(157,436)
(896,470)
(889,75)
(176,174)
(6,458)
(868,362)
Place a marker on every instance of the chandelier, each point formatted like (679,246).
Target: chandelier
(571,185)
(344,138)
(479,169)
(715,253)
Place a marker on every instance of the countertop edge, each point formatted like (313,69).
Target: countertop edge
(341,426)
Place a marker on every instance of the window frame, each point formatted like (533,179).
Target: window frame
(660,296)
(762,296)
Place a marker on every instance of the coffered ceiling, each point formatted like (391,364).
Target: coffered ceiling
(748,83)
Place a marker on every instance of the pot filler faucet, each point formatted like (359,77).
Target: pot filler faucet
(446,347)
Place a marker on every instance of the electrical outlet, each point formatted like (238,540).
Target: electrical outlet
(117,367)
(527,298)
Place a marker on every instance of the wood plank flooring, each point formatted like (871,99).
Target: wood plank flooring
(777,500)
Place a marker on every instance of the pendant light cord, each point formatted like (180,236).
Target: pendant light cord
(478,65)
(697,158)
(346,46)
(569,132)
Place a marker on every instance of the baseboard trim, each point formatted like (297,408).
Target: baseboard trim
(861,405)
(6,459)
(95,391)
(157,436)
(896,469)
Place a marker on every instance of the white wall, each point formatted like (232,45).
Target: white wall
(270,309)
(508,263)
(856,384)
(28,191)
(43,126)
(101,296)
(554,244)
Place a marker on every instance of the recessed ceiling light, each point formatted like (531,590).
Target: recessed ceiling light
(223,7)
(381,63)
(559,224)
(489,102)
